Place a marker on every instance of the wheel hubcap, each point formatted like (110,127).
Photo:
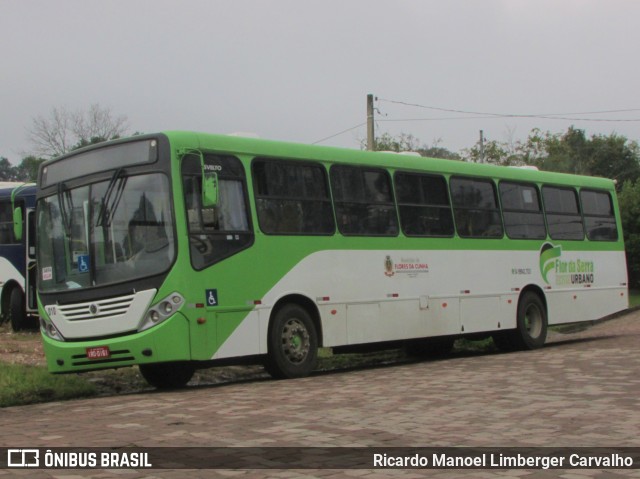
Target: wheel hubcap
(295,341)
(533,321)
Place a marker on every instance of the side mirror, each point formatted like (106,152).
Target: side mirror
(17,223)
(209,179)
(209,188)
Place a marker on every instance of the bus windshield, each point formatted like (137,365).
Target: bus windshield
(104,233)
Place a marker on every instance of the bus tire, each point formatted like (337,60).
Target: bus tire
(167,375)
(531,329)
(17,313)
(532,322)
(292,343)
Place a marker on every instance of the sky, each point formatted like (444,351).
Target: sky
(300,70)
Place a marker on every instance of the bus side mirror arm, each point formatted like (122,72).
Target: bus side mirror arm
(17,223)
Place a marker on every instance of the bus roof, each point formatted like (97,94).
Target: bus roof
(287,150)
(261,147)
(24,189)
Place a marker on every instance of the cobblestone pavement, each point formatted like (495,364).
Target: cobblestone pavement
(582,389)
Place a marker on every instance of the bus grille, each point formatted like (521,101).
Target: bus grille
(106,308)
(116,357)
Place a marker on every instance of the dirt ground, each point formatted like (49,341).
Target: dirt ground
(21,348)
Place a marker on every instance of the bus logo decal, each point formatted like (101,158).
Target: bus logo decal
(568,271)
(388,266)
(548,254)
(212,297)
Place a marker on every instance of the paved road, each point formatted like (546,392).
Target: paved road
(582,389)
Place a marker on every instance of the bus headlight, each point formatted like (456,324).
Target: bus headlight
(48,329)
(162,310)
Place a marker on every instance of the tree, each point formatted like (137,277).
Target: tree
(65,130)
(7,171)
(629,200)
(408,142)
(612,156)
(27,170)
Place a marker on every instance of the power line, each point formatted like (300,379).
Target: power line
(339,133)
(488,115)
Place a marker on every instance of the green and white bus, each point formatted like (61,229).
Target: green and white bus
(181,250)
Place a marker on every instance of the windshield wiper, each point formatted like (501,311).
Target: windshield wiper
(108,207)
(65,200)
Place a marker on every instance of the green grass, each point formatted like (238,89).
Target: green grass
(634,298)
(20,384)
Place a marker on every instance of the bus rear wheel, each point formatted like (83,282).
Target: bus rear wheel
(167,375)
(531,330)
(293,343)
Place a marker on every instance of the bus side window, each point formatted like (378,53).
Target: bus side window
(6,224)
(563,213)
(475,207)
(599,219)
(364,202)
(423,202)
(522,210)
(292,197)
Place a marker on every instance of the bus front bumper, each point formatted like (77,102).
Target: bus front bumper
(168,341)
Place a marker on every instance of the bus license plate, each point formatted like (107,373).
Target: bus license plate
(98,352)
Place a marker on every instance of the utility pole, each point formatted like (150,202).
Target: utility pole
(371,139)
(481,146)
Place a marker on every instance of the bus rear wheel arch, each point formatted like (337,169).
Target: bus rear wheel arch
(292,342)
(531,325)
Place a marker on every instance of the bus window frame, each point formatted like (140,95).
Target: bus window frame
(196,177)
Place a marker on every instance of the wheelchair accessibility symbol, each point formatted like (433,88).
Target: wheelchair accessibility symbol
(83,263)
(212,297)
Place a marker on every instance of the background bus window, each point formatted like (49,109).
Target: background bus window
(423,202)
(6,224)
(563,213)
(522,211)
(292,198)
(363,201)
(475,207)
(599,219)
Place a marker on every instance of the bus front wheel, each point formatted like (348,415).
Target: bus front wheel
(293,343)
(17,313)
(167,375)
